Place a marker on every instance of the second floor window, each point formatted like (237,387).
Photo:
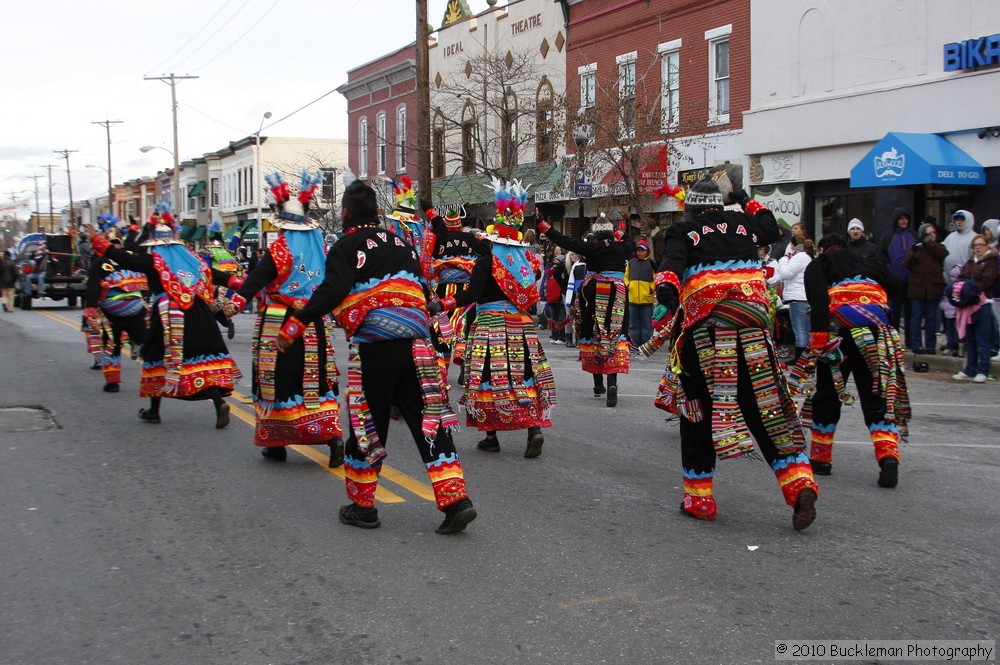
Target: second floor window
(363,147)
(670,91)
(380,143)
(439,152)
(718,74)
(401,138)
(588,86)
(469,147)
(215,192)
(626,95)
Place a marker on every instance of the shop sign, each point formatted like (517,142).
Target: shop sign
(972,53)
(785,202)
(775,167)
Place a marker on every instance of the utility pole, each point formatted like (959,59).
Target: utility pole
(65,152)
(172,81)
(423,104)
(111,193)
(49,168)
(38,222)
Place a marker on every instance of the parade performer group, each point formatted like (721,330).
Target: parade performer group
(852,294)
(723,378)
(374,286)
(602,313)
(508,381)
(184,355)
(114,307)
(295,392)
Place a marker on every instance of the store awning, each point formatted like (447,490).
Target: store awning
(476,189)
(196,189)
(250,233)
(187,231)
(916,159)
(199,233)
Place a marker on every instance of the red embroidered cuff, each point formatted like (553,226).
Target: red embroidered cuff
(90,313)
(99,244)
(667,277)
(448,303)
(752,207)
(818,340)
(293,329)
(431,213)
(234,283)
(543,226)
(239,301)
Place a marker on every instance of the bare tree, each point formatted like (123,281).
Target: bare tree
(625,122)
(325,206)
(505,108)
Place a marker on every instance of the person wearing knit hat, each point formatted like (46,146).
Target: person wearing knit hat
(602,316)
(295,392)
(508,380)
(858,243)
(639,283)
(184,355)
(722,379)
(373,286)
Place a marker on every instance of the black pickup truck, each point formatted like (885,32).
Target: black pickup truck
(64,272)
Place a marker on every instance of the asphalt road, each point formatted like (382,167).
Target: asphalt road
(124,542)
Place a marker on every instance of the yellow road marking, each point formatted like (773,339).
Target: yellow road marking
(381,494)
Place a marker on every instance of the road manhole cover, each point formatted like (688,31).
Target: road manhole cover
(26,419)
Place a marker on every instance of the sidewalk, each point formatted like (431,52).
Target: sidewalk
(946,364)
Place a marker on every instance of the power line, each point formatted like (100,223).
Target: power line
(192,37)
(217,31)
(240,38)
(301,108)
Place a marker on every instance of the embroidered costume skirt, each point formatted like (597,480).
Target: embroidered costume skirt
(602,323)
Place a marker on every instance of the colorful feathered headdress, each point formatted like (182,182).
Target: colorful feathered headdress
(511,200)
(666,189)
(405,199)
(293,212)
(163,231)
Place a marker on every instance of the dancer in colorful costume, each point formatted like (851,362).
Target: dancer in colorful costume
(374,288)
(113,307)
(508,380)
(723,378)
(184,355)
(602,323)
(405,223)
(455,254)
(852,294)
(220,256)
(295,392)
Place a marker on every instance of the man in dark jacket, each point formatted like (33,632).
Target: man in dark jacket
(894,246)
(925,261)
(8,278)
(853,295)
(858,243)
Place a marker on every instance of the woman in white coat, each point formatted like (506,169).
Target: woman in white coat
(792,269)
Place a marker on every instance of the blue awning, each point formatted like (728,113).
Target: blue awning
(916,159)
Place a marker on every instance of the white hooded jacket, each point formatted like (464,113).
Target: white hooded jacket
(959,243)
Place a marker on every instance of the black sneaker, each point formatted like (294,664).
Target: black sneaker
(96,365)
(111,387)
(534,448)
(336,453)
(274,453)
(889,475)
(821,468)
(230,329)
(149,416)
(489,445)
(355,515)
(457,517)
(598,391)
(612,396)
(805,509)
(222,416)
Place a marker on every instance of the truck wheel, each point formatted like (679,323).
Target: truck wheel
(71,301)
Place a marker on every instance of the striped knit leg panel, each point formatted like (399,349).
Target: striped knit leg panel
(447,480)
(698,499)
(821,448)
(361,479)
(885,436)
(794,474)
(112,368)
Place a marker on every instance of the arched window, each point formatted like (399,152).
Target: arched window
(544,147)
(508,128)
(401,138)
(380,143)
(363,148)
(469,139)
(438,147)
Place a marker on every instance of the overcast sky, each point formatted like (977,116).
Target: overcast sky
(67,63)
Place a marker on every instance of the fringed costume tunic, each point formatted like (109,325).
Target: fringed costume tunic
(375,288)
(851,295)
(602,313)
(115,306)
(455,254)
(723,378)
(183,354)
(508,381)
(294,392)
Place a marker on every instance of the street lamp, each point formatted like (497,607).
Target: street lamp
(177,175)
(582,132)
(257,187)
